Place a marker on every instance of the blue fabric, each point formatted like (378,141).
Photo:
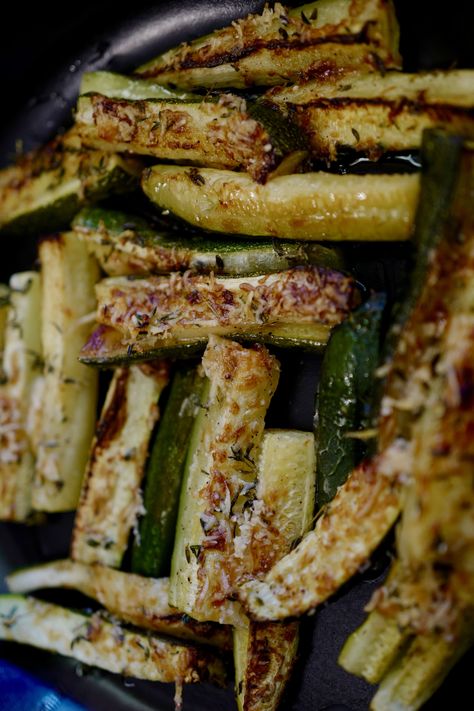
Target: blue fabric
(19,691)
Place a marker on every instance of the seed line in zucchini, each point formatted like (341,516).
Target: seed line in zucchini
(22,371)
(345,394)
(45,189)
(95,641)
(67,406)
(283,45)
(376,113)
(369,502)
(307,206)
(127,244)
(227,132)
(111,496)
(153,545)
(295,306)
(219,477)
(140,601)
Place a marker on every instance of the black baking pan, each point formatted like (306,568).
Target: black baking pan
(43,53)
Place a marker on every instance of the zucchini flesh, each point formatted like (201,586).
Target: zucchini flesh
(111,497)
(97,642)
(68,407)
(4,302)
(45,189)
(127,244)
(264,653)
(153,545)
(420,671)
(308,206)
(374,113)
(345,394)
(222,133)
(22,369)
(119,86)
(284,45)
(220,473)
(142,602)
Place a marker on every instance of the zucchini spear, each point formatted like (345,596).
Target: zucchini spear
(140,601)
(376,113)
(224,132)
(281,45)
(22,369)
(220,475)
(311,206)
(95,641)
(127,244)
(68,407)
(44,190)
(282,511)
(111,499)
(154,315)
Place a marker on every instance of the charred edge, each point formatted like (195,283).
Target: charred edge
(216,60)
(113,418)
(439,111)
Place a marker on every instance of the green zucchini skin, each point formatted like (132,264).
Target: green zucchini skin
(128,244)
(151,554)
(345,394)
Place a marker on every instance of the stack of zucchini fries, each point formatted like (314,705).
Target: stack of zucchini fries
(199,531)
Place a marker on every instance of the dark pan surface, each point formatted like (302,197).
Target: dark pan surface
(42,56)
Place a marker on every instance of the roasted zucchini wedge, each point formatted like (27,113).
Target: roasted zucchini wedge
(312,206)
(282,512)
(45,189)
(140,601)
(283,45)
(345,393)
(22,370)
(107,348)
(227,132)
(153,544)
(127,244)
(95,641)
(377,113)
(68,407)
(421,670)
(111,496)
(179,313)
(368,504)
(219,476)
